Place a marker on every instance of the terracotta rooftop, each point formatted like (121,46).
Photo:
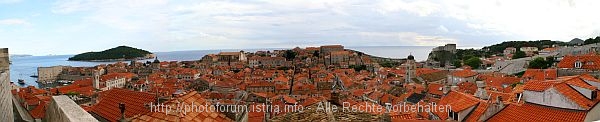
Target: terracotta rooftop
(534,85)
(175,116)
(588,61)
(464,73)
(39,111)
(536,113)
(458,101)
(565,86)
(435,88)
(478,112)
(108,107)
(540,74)
(575,96)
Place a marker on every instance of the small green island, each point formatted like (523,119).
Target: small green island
(120,53)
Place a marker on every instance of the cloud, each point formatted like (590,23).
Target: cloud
(14,22)
(406,38)
(214,24)
(421,8)
(129,15)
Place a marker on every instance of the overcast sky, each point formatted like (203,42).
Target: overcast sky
(75,26)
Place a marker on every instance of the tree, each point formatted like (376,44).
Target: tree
(457,63)
(519,54)
(289,55)
(120,52)
(592,40)
(541,63)
(316,53)
(538,63)
(358,67)
(474,62)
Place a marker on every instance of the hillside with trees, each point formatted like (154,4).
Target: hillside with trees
(540,44)
(592,40)
(117,53)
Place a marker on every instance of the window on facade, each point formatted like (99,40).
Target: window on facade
(578,64)
(455,114)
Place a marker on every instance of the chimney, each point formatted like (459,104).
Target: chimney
(445,89)
(499,101)
(122,108)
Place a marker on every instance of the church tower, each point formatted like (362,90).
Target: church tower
(96,79)
(410,68)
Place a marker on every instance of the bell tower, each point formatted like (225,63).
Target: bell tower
(96,79)
(410,68)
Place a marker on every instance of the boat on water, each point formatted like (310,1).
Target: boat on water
(34,75)
(21,81)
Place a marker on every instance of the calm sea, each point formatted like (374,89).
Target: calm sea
(24,67)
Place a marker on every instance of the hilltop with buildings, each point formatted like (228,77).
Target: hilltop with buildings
(331,76)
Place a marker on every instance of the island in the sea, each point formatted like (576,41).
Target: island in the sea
(119,53)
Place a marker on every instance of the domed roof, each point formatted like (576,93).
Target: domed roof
(411,57)
(156,60)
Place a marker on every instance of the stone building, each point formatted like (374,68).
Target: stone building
(6,106)
(447,47)
(326,49)
(231,58)
(49,74)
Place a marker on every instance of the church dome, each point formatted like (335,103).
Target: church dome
(411,57)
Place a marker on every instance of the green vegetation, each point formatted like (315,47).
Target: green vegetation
(389,64)
(473,62)
(465,54)
(540,44)
(592,40)
(520,74)
(290,55)
(121,52)
(71,93)
(541,63)
(519,54)
(358,67)
(457,63)
(513,85)
(443,57)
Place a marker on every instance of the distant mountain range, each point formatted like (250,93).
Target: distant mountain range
(20,55)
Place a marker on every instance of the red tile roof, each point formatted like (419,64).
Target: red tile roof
(564,85)
(498,82)
(108,107)
(178,116)
(478,112)
(421,71)
(464,73)
(435,88)
(540,74)
(588,61)
(458,101)
(256,116)
(536,113)
(467,87)
(534,85)
(575,96)
(580,83)
(588,77)
(39,111)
